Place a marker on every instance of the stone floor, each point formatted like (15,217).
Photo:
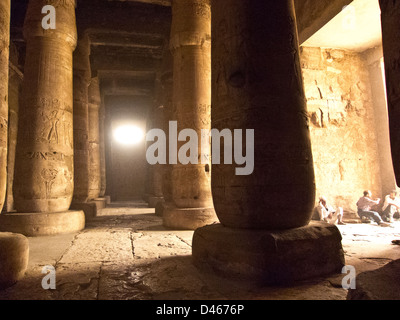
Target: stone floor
(126,254)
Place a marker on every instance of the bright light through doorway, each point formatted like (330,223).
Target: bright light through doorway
(128,135)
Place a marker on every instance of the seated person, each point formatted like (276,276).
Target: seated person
(364,205)
(390,206)
(327,213)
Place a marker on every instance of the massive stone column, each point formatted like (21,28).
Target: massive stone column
(257,84)
(390,16)
(4,55)
(373,60)
(14,248)
(190,46)
(86,132)
(43,180)
(94,139)
(95,165)
(15,80)
(102,116)
(156,170)
(166,77)
(82,78)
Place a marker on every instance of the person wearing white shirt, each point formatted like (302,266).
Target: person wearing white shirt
(364,205)
(327,213)
(390,206)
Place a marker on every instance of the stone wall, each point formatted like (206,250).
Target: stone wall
(342,125)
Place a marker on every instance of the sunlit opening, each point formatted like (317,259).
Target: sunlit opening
(128,135)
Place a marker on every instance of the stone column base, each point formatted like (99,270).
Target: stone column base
(160,209)
(101,203)
(108,199)
(269,257)
(153,201)
(90,208)
(42,224)
(14,256)
(187,218)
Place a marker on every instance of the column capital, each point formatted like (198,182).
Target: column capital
(191,23)
(65,21)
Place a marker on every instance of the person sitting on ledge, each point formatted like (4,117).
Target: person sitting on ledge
(364,211)
(327,213)
(390,206)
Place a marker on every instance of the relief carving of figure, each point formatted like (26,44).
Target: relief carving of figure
(50,130)
(49,175)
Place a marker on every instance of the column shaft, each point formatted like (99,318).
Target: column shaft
(15,80)
(102,116)
(257,84)
(190,45)
(4,56)
(44,156)
(166,101)
(390,16)
(156,171)
(94,139)
(82,77)
(264,235)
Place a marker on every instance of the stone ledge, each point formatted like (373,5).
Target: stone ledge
(42,224)
(14,257)
(269,257)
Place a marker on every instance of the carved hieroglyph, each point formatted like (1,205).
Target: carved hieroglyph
(4,55)
(82,78)
(190,44)
(257,84)
(44,155)
(390,15)
(94,139)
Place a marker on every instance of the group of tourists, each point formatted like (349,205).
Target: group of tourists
(391,207)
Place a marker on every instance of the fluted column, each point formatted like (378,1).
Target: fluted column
(4,55)
(257,85)
(190,44)
(44,169)
(94,139)
(390,17)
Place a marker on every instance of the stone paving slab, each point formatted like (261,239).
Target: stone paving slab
(132,256)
